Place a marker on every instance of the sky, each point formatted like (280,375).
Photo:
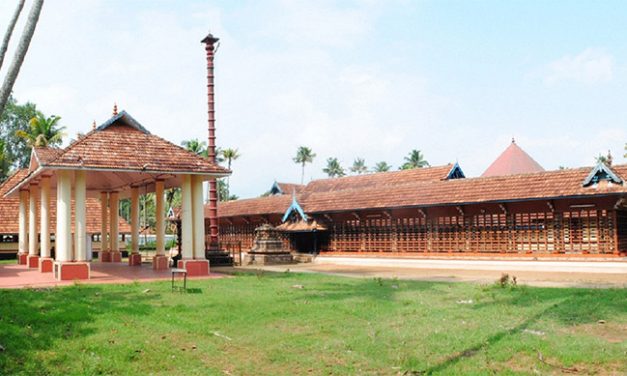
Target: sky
(370,79)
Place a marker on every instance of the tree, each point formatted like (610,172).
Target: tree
(42,131)
(5,162)
(602,158)
(382,166)
(359,166)
(415,159)
(20,53)
(229,155)
(196,146)
(9,32)
(625,155)
(303,156)
(333,169)
(17,117)
(223,194)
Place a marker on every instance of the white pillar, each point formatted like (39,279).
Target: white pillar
(23,223)
(44,215)
(104,239)
(80,221)
(63,234)
(134,219)
(187,222)
(160,217)
(113,213)
(33,241)
(198,217)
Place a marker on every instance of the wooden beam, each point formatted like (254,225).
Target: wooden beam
(423,213)
(503,208)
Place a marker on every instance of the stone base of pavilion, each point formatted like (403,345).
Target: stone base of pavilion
(22,258)
(134,259)
(33,261)
(194,267)
(18,276)
(110,256)
(160,262)
(46,265)
(70,271)
(104,256)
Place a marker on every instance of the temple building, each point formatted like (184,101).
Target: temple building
(514,209)
(512,161)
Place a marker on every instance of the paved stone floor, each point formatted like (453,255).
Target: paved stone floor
(19,276)
(534,273)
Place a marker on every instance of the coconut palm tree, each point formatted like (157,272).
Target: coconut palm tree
(382,166)
(20,53)
(9,32)
(43,131)
(229,155)
(303,156)
(196,146)
(333,169)
(359,166)
(415,159)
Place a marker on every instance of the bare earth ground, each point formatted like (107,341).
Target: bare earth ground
(540,273)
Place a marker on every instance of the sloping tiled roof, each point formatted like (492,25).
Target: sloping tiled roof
(253,206)
(122,144)
(380,179)
(9,209)
(289,188)
(126,151)
(46,154)
(279,204)
(542,185)
(539,185)
(512,161)
(124,147)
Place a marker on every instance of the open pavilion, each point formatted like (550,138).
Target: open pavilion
(119,159)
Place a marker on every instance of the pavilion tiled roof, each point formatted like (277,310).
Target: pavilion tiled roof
(122,144)
(512,161)
(9,209)
(424,193)
(46,154)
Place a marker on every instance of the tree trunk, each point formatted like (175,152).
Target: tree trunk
(7,35)
(302,174)
(20,53)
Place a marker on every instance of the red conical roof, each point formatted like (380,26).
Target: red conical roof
(512,161)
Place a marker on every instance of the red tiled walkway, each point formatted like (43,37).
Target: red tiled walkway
(19,276)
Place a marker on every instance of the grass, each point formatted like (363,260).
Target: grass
(266,324)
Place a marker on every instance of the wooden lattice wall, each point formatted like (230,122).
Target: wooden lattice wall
(570,232)
(541,227)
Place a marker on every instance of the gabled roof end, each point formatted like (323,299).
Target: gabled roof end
(124,117)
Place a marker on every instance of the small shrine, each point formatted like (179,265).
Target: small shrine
(268,248)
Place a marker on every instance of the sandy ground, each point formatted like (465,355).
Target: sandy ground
(540,273)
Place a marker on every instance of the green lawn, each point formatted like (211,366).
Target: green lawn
(264,324)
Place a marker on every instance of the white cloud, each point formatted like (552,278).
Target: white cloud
(591,66)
